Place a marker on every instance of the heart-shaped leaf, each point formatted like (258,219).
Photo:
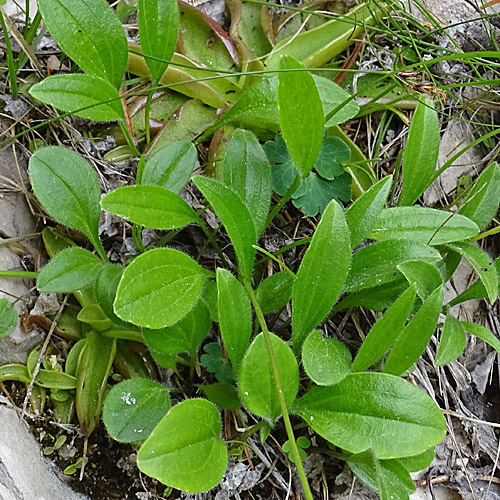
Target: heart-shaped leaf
(159,288)
(256,381)
(388,414)
(71,92)
(322,273)
(133,408)
(70,270)
(150,206)
(182,444)
(90,33)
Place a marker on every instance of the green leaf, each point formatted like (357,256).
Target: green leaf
(246,171)
(8,318)
(186,335)
(483,266)
(90,33)
(150,206)
(215,362)
(388,414)
(182,444)
(158,24)
(333,151)
(452,342)
(54,241)
(482,333)
(159,288)
(301,120)
(106,286)
(68,189)
(376,263)
(326,361)
(171,166)
(421,152)
(482,202)
(94,368)
(235,217)
(94,316)
(413,340)
(427,226)
(423,274)
(210,298)
(70,270)
(418,462)
(314,193)
(225,396)
(133,408)
(71,92)
(256,381)
(322,273)
(274,292)
(362,215)
(235,316)
(385,331)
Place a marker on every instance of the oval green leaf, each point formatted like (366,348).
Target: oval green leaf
(150,206)
(322,273)
(68,189)
(388,414)
(274,292)
(235,316)
(236,219)
(70,93)
(90,33)
(70,270)
(326,361)
(8,318)
(452,342)
(158,24)
(159,288)
(301,120)
(171,166)
(421,152)
(182,444)
(256,381)
(133,408)
(427,226)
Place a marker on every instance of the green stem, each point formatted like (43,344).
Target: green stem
(255,428)
(18,274)
(284,199)
(494,230)
(271,256)
(140,169)
(10,59)
(137,237)
(128,138)
(100,249)
(147,110)
(279,387)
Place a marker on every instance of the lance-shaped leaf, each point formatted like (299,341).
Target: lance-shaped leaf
(274,292)
(159,288)
(423,274)
(182,444)
(247,172)
(326,361)
(413,340)
(322,273)
(452,342)
(158,25)
(235,316)
(256,380)
(482,201)
(482,333)
(301,120)
(362,215)
(421,152)
(376,264)
(388,414)
(68,189)
(90,33)
(133,408)
(422,225)
(71,92)
(483,266)
(170,167)
(385,331)
(8,318)
(150,206)
(70,270)
(236,219)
